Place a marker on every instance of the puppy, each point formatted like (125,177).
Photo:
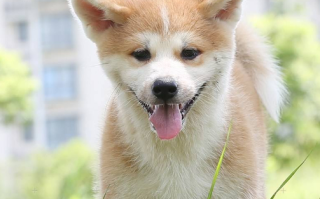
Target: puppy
(183,70)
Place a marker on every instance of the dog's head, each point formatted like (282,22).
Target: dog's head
(165,51)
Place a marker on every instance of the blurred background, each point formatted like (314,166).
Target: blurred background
(53,97)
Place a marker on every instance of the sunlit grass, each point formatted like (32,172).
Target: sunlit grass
(107,190)
(290,176)
(220,163)
(215,177)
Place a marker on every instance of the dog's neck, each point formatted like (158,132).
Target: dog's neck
(203,134)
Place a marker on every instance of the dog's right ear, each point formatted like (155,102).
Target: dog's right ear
(228,11)
(97,16)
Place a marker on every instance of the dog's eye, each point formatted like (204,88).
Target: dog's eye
(142,55)
(189,54)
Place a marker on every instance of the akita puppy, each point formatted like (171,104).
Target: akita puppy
(182,70)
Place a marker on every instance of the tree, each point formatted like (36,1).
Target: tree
(63,174)
(16,87)
(298,49)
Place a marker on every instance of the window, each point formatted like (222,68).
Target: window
(15,6)
(28,133)
(22,29)
(60,82)
(61,130)
(57,32)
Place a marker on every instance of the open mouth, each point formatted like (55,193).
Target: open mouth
(184,108)
(167,119)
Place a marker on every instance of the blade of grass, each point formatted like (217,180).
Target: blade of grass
(215,177)
(107,190)
(291,175)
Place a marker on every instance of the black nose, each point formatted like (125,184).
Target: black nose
(164,90)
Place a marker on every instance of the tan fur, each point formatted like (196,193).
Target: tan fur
(149,20)
(134,163)
(245,156)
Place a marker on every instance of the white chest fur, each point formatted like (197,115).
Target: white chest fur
(181,168)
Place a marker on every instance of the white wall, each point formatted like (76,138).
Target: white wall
(1,23)
(95,90)
(254,7)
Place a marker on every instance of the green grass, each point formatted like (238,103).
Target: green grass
(107,190)
(220,163)
(216,174)
(215,177)
(304,184)
(290,176)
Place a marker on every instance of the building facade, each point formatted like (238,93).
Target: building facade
(71,98)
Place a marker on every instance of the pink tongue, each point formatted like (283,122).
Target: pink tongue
(167,121)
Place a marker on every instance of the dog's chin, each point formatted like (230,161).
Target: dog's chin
(167,120)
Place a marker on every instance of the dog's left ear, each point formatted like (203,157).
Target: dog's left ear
(228,11)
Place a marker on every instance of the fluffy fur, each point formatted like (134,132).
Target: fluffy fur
(240,74)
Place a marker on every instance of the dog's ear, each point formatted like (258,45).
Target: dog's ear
(228,11)
(97,16)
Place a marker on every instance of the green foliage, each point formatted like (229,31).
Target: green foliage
(67,174)
(64,174)
(298,49)
(16,87)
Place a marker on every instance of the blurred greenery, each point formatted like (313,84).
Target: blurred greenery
(297,47)
(67,173)
(62,174)
(16,88)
